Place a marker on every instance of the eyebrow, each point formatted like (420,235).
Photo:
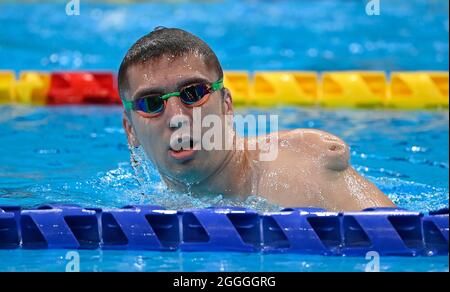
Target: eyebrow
(160,90)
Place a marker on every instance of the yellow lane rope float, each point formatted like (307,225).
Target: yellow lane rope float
(331,89)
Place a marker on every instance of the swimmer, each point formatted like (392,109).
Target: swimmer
(170,73)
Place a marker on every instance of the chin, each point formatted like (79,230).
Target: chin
(188,174)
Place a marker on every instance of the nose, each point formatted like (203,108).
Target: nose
(174,111)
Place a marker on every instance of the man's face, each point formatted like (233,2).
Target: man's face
(160,76)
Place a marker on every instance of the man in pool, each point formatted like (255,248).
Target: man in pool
(170,73)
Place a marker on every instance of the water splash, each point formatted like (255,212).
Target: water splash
(152,190)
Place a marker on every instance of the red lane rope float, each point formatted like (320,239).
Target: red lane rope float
(83,88)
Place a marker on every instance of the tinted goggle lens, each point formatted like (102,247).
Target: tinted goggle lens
(194,94)
(150,104)
(189,96)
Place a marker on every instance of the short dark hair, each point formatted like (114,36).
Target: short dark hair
(164,41)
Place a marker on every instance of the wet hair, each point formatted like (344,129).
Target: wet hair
(161,42)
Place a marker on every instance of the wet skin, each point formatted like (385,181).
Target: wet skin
(311,169)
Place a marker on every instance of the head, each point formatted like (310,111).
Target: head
(165,61)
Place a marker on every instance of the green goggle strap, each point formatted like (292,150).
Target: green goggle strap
(129,105)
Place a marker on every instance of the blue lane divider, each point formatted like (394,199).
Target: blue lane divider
(9,231)
(294,230)
(140,227)
(220,229)
(302,230)
(58,226)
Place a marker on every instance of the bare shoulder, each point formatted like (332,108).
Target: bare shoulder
(334,150)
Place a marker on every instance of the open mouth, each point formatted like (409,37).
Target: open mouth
(181,144)
(182,150)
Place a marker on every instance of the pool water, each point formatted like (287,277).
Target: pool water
(146,261)
(245,34)
(80,155)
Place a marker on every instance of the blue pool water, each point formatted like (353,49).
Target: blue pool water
(80,155)
(245,34)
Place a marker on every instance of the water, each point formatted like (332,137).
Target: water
(80,155)
(246,35)
(107,261)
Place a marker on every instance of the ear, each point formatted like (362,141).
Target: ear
(227,102)
(129,130)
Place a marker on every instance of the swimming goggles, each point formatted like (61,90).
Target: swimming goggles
(191,96)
